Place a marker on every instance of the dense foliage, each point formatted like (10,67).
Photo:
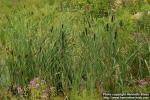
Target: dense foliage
(74,46)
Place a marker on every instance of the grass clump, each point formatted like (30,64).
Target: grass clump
(78,48)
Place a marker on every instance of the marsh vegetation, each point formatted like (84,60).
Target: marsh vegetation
(73,49)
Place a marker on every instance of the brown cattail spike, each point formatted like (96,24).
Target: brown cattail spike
(52,29)
(107,27)
(112,18)
(86,32)
(115,37)
(121,23)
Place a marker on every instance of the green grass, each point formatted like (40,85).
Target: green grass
(73,45)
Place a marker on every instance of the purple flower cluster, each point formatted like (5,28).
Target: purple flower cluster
(143,82)
(36,83)
(40,85)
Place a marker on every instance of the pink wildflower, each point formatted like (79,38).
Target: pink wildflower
(143,82)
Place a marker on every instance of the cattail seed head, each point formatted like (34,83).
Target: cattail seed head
(86,32)
(112,18)
(107,27)
(115,37)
